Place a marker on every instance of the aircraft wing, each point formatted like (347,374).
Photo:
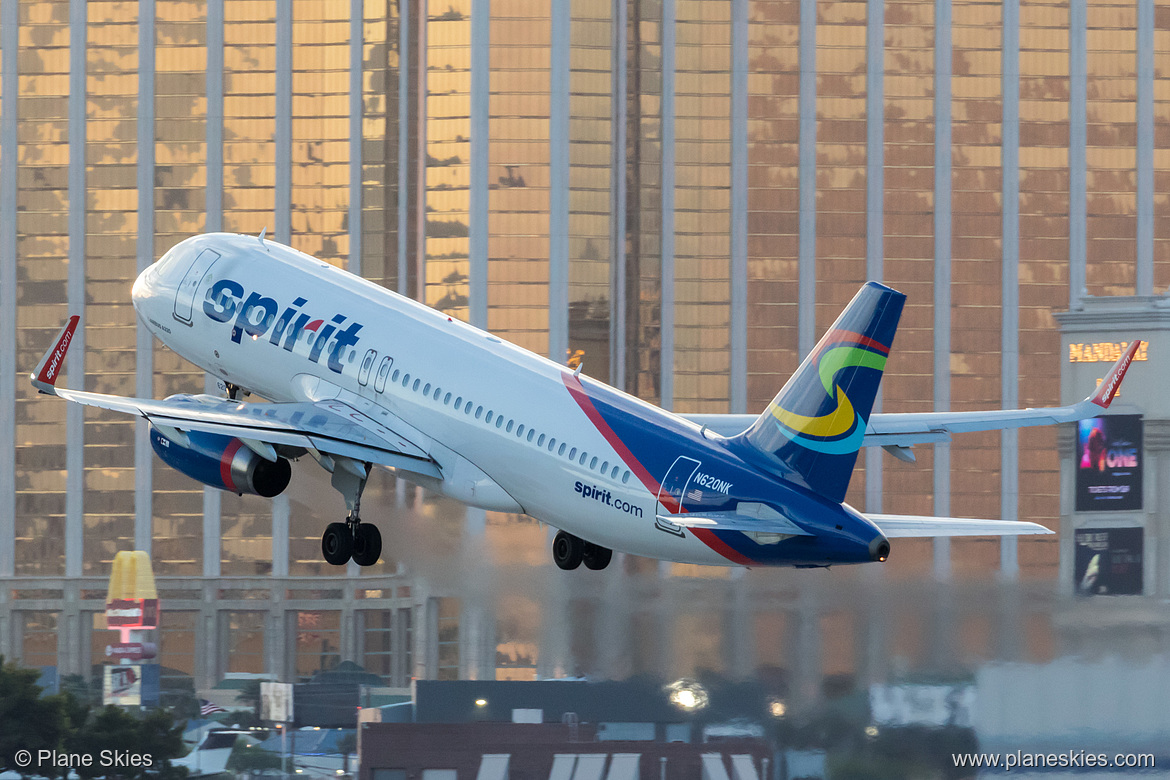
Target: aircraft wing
(898,432)
(331,427)
(906,526)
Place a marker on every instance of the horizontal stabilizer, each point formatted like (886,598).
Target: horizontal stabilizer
(906,526)
(905,429)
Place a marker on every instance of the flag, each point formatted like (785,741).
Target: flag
(209,708)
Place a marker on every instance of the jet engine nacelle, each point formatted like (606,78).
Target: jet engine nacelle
(222,462)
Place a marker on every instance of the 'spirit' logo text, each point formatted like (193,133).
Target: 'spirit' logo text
(256,316)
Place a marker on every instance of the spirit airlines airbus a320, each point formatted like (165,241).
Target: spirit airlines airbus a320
(358,377)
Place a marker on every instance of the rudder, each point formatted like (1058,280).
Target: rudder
(815,425)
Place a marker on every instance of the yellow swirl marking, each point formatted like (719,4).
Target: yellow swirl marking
(836,423)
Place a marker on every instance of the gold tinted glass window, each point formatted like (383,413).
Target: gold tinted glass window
(518,177)
(773,195)
(1111,154)
(977,263)
(908,240)
(702,216)
(320,130)
(111,265)
(249,177)
(380,131)
(590,128)
(644,224)
(180,181)
(448,156)
(42,245)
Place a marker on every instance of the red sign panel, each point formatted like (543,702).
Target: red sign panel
(132,613)
(131,651)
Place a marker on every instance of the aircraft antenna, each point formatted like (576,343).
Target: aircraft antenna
(263,230)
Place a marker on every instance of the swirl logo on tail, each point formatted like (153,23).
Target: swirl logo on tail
(840,430)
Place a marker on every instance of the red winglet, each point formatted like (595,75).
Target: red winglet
(45,378)
(1112,381)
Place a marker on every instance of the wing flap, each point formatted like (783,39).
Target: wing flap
(911,526)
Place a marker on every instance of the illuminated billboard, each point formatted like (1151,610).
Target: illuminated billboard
(1109,463)
(1108,561)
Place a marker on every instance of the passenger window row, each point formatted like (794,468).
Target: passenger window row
(528,434)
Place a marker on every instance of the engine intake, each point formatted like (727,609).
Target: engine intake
(223,462)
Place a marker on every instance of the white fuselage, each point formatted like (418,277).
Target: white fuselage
(445,379)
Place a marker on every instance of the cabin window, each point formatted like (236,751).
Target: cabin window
(488,419)
(394,377)
(416,383)
(510,424)
(520,431)
(405,380)
(530,434)
(584,455)
(479,411)
(625,477)
(427,389)
(605,467)
(500,421)
(593,463)
(562,449)
(572,452)
(447,400)
(540,442)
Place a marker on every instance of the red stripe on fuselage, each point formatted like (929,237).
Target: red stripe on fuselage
(225,464)
(577,390)
(706,536)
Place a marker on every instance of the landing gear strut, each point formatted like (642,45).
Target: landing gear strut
(569,552)
(351,539)
(234,391)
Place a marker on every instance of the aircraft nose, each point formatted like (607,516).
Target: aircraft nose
(879,549)
(138,291)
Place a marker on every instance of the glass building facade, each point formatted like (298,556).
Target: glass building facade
(679,194)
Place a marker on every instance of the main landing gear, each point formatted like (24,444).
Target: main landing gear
(570,551)
(352,539)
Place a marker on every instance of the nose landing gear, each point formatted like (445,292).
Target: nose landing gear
(351,539)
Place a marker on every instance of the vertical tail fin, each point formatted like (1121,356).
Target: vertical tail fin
(816,424)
